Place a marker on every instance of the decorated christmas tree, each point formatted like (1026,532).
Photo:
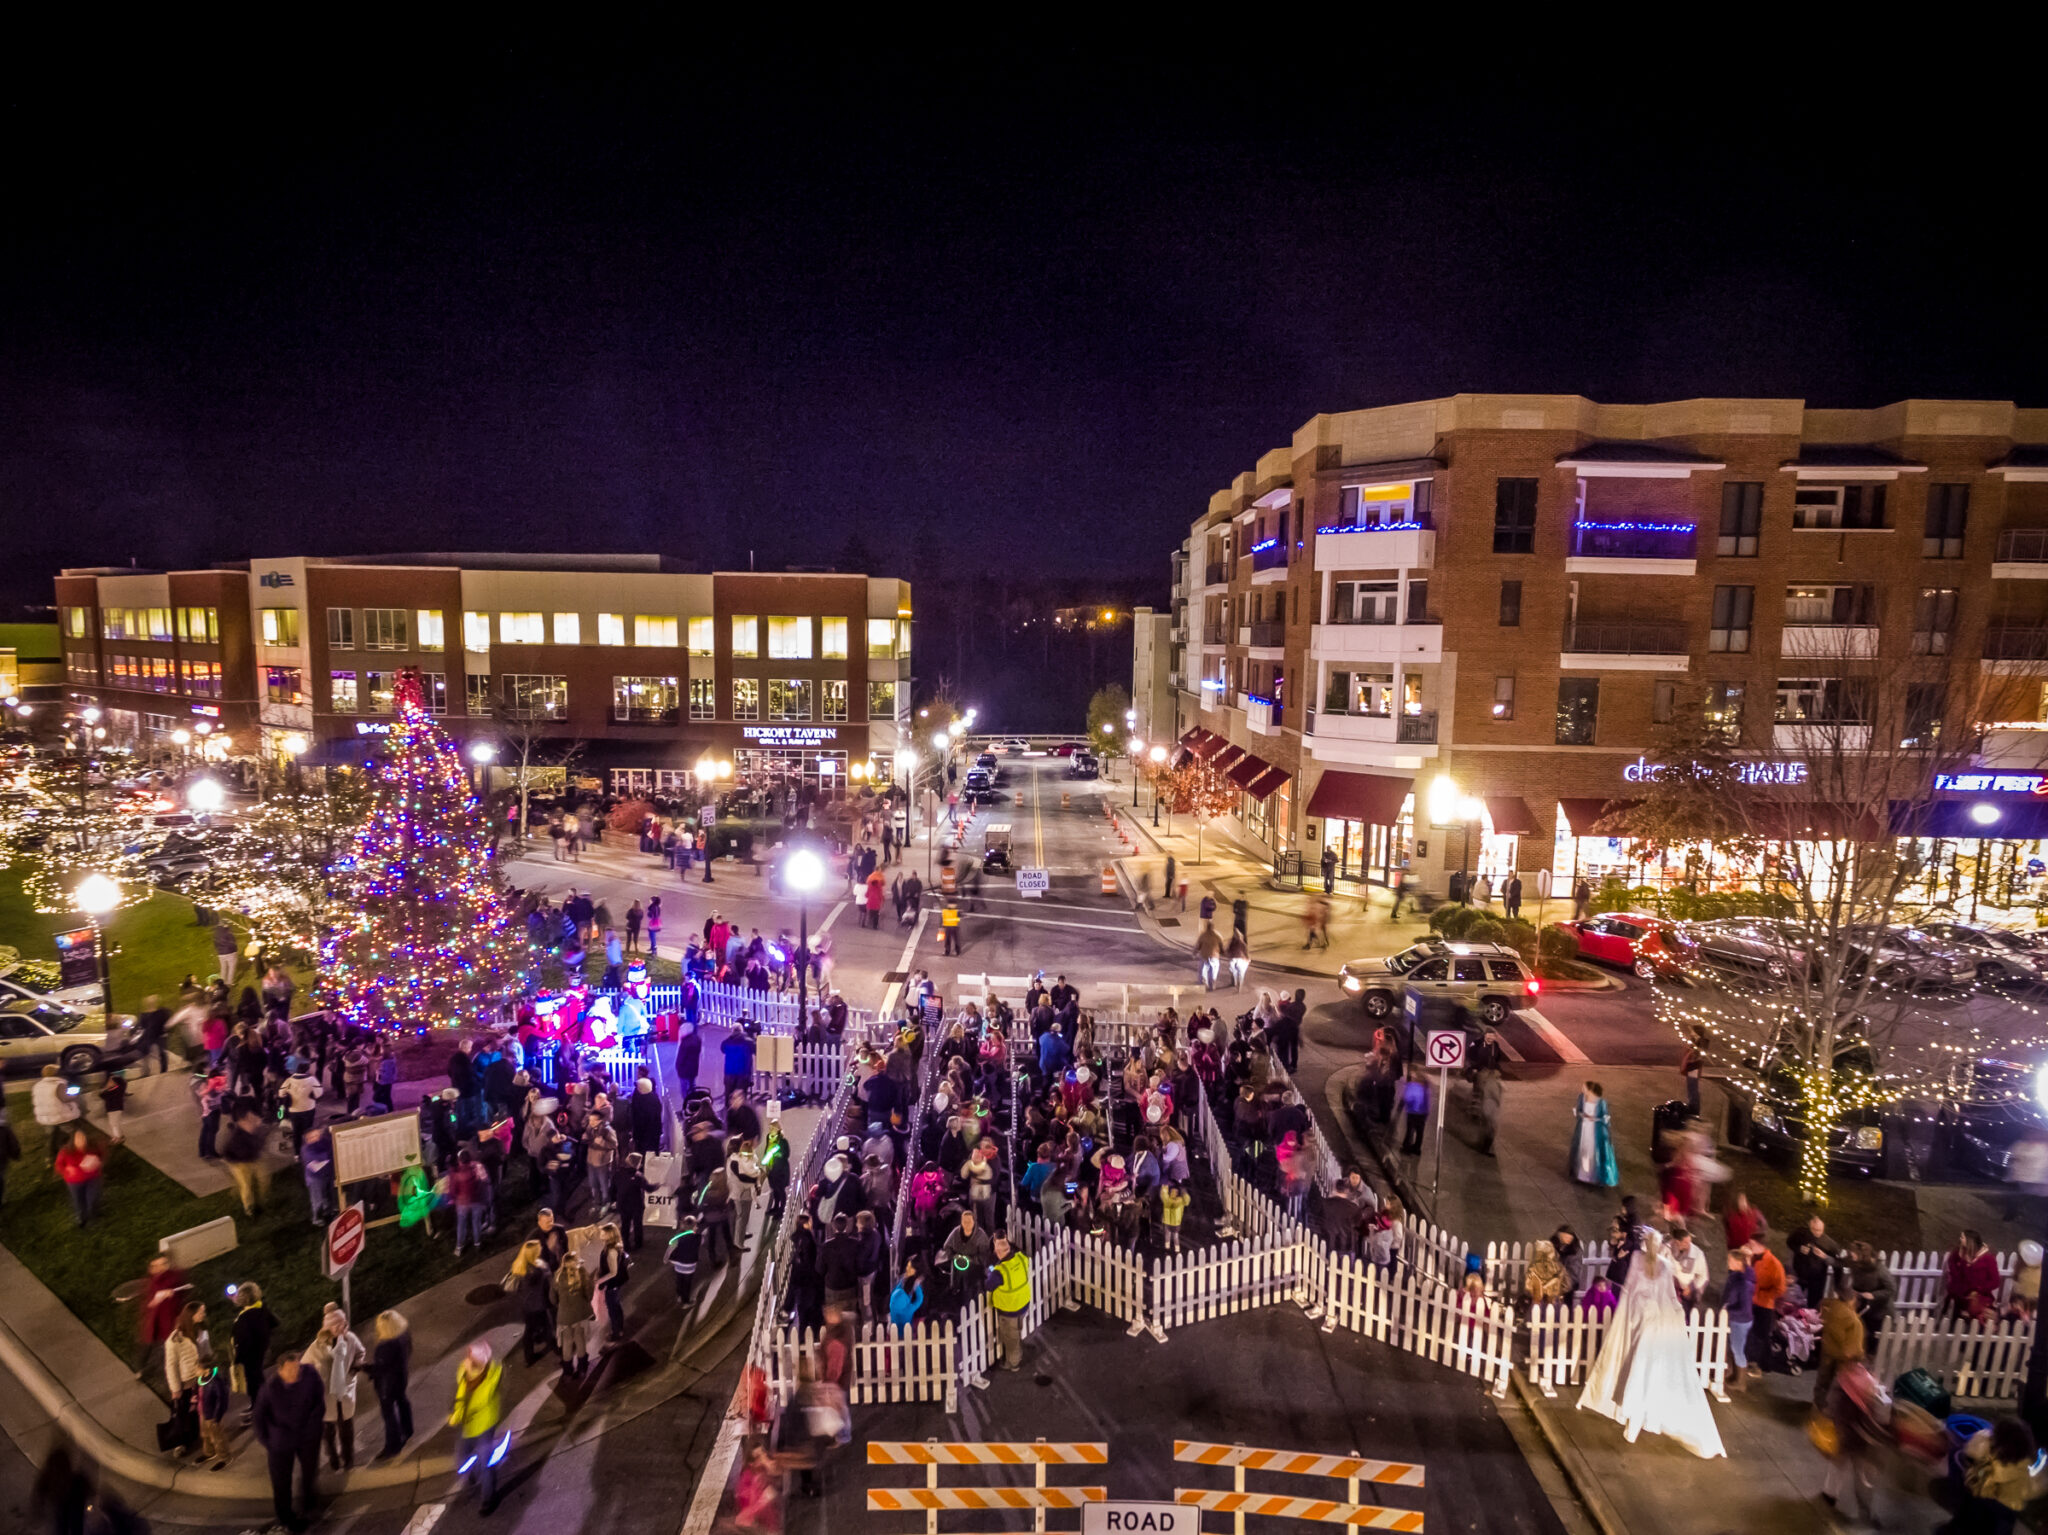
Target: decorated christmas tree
(420,931)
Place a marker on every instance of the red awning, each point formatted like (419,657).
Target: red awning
(1510,815)
(1263,786)
(1369,797)
(1247,769)
(1223,759)
(1207,744)
(1582,815)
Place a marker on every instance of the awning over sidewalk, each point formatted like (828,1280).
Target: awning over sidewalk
(1248,769)
(1204,743)
(1263,786)
(1510,815)
(1582,815)
(1370,797)
(1226,759)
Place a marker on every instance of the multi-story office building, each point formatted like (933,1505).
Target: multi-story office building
(1519,594)
(1152,690)
(800,675)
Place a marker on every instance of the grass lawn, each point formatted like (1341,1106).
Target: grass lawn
(280,1249)
(156,943)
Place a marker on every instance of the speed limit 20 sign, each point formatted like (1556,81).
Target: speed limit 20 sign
(1446,1049)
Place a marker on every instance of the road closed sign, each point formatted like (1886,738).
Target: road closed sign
(1033,883)
(1140,1519)
(345,1241)
(1446,1049)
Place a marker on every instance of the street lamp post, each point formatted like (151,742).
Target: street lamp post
(906,773)
(483,754)
(1136,750)
(803,871)
(1158,767)
(97,895)
(706,771)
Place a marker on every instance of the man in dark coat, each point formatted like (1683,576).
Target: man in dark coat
(289,1410)
(644,1115)
(689,1060)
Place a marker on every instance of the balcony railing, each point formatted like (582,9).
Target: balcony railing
(1633,540)
(1419,728)
(2023,546)
(1625,639)
(1214,576)
(2011,642)
(1216,634)
(1269,634)
(1271,555)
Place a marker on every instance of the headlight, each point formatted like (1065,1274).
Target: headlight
(1351,983)
(1769,1121)
(1869,1138)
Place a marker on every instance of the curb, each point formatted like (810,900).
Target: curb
(1150,922)
(1573,1464)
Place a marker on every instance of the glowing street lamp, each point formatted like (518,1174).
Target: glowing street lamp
(97,895)
(205,797)
(803,871)
(1158,759)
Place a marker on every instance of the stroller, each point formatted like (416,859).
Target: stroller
(1794,1338)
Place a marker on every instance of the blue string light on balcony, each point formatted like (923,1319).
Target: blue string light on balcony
(1381,527)
(1268,544)
(1637,527)
(1254,698)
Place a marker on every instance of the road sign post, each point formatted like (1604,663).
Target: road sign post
(1542,900)
(345,1234)
(1445,1050)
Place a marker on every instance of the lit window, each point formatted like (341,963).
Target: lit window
(645,700)
(703,697)
(1503,698)
(75,621)
(521,629)
(881,700)
(434,691)
(381,690)
(432,635)
(476,688)
(656,629)
(832,699)
(789,639)
(746,635)
(159,623)
(568,629)
(611,628)
(280,626)
(703,636)
(283,685)
(746,698)
(199,626)
(476,632)
(535,697)
(881,639)
(789,698)
(342,691)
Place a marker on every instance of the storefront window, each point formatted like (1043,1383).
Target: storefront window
(646,700)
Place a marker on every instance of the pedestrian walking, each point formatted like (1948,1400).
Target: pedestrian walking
(654,924)
(1592,1149)
(1690,1065)
(80,1166)
(635,916)
(54,1102)
(1238,958)
(1511,897)
(613,1268)
(574,1312)
(113,1102)
(1414,1112)
(391,1378)
(1240,916)
(1582,900)
(1329,870)
(474,1417)
(1208,953)
(289,1411)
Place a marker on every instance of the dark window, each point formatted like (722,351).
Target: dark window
(1926,702)
(1468,969)
(1838,506)
(1578,709)
(1514,517)
(1510,604)
(1337,697)
(1418,602)
(1504,969)
(1948,507)
(1434,970)
(1934,620)
(1663,702)
(1734,607)
(1742,515)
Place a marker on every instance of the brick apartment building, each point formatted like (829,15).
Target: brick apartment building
(1518,593)
(799,675)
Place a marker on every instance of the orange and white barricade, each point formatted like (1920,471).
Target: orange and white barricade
(931,1499)
(1355,1471)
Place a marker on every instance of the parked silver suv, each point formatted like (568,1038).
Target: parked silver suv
(1489,978)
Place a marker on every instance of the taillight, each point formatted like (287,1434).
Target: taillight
(1534,986)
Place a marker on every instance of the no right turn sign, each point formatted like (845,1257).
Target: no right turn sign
(1446,1049)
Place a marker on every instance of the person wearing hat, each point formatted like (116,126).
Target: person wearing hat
(968,1241)
(1011,1299)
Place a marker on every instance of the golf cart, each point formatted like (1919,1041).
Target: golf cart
(995,847)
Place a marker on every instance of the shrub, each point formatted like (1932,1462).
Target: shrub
(1558,943)
(629,815)
(1519,936)
(1485,929)
(1453,920)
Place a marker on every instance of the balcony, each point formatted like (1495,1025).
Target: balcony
(1632,548)
(2015,746)
(1261,715)
(2022,555)
(1215,575)
(1417,728)
(1381,546)
(1625,646)
(1271,635)
(1269,562)
(1829,641)
(1216,634)
(1377,642)
(2016,650)
(1178,634)
(1820,737)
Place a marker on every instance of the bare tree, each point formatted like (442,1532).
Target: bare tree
(528,749)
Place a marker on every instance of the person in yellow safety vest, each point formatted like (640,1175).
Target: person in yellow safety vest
(476,1414)
(949,928)
(1012,1297)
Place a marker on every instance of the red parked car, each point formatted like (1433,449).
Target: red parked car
(1633,940)
(1065,749)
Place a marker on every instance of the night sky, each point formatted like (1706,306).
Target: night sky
(804,299)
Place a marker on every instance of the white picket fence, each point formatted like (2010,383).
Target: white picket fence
(1410,1310)
(888,1363)
(1564,1340)
(1976,1359)
(1210,1282)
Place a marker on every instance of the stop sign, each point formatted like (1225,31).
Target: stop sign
(344,1240)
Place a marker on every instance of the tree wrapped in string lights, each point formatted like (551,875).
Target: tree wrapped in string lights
(420,932)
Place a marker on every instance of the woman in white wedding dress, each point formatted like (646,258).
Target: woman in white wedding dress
(1645,1378)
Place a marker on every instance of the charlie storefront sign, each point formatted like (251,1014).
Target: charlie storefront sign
(1642,770)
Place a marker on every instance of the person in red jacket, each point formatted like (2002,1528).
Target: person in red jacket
(1971,1279)
(1770,1289)
(1742,1221)
(80,1167)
